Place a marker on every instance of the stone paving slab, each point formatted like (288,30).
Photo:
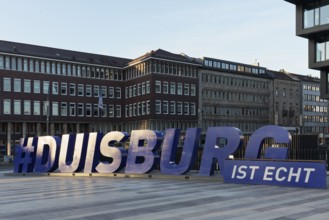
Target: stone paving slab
(101,197)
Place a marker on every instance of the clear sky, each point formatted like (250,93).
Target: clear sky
(237,30)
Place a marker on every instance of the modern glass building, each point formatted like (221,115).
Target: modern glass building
(312,22)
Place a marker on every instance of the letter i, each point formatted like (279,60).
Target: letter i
(233,173)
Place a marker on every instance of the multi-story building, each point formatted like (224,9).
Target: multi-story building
(235,94)
(287,102)
(312,22)
(314,117)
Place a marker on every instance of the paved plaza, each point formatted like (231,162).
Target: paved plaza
(76,197)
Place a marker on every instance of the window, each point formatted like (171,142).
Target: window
(148,87)
(88,110)
(80,89)
(118,92)
(172,88)
(186,108)
(95,110)
(55,109)
(6,106)
(111,92)
(103,91)
(45,87)
(96,91)
(88,90)
(172,107)
(36,107)
(165,107)
(157,107)
(7,84)
(63,88)
(104,111)
(192,108)
(36,86)
(111,111)
(186,89)
(55,88)
(63,109)
(165,87)
(157,86)
(80,109)
(143,88)
(118,111)
(17,85)
(17,107)
(72,109)
(1,62)
(72,89)
(179,109)
(27,107)
(148,107)
(193,90)
(27,86)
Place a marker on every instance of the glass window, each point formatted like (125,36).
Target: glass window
(55,88)
(17,107)
(6,106)
(45,87)
(165,107)
(192,108)
(118,111)
(103,91)
(111,92)
(165,87)
(72,109)
(68,69)
(179,109)
(186,89)
(27,86)
(42,67)
(88,110)
(320,51)
(111,111)
(63,88)
(25,64)
(148,89)
(324,14)
(7,66)
(157,107)
(193,90)
(172,88)
(55,109)
(88,90)
(72,89)
(63,109)
(96,91)
(17,85)
(36,86)
(172,107)
(36,107)
(80,89)
(157,86)
(27,107)
(308,17)
(118,92)
(1,62)
(13,63)
(143,88)
(104,111)
(7,84)
(37,67)
(19,64)
(95,110)
(186,108)
(80,109)
(31,66)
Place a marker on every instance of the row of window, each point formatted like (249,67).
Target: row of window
(234,67)
(59,109)
(322,51)
(316,13)
(175,107)
(311,88)
(62,88)
(209,111)
(58,67)
(215,95)
(311,118)
(284,93)
(313,108)
(166,87)
(155,66)
(313,98)
(138,89)
(233,81)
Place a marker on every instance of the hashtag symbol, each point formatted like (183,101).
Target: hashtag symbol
(23,159)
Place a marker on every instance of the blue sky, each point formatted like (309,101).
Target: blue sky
(239,30)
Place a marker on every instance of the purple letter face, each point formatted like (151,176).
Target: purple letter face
(212,152)
(169,150)
(279,134)
(25,155)
(118,155)
(47,153)
(72,153)
(142,151)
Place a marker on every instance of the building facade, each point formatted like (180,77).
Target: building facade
(49,91)
(312,23)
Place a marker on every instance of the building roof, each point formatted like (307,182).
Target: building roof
(281,75)
(163,54)
(304,78)
(299,1)
(61,54)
